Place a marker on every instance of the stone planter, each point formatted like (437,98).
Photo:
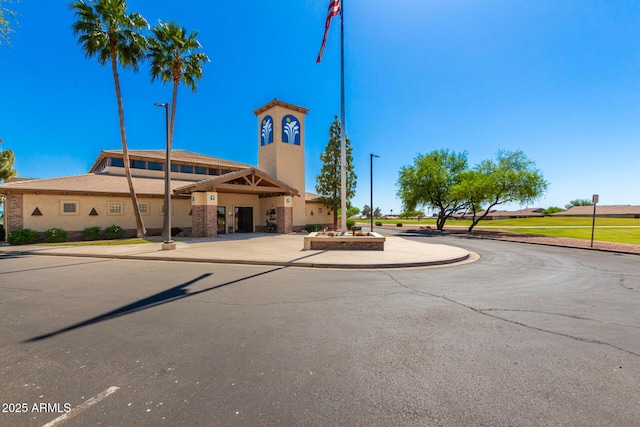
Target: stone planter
(348,242)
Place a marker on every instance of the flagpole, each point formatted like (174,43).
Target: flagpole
(343,138)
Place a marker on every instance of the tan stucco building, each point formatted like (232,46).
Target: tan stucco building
(209,196)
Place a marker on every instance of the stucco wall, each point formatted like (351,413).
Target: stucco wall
(52,215)
(317,218)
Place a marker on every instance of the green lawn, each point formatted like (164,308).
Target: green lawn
(550,226)
(617,235)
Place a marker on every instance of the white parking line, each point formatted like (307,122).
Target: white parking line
(82,407)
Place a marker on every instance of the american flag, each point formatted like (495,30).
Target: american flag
(334,9)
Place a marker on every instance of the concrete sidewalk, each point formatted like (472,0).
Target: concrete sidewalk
(266,249)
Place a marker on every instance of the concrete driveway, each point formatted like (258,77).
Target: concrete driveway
(527,335)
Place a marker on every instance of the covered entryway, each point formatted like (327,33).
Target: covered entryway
(208,218)
(244,219)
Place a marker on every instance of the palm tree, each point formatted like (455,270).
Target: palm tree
(175,58)
(107,31)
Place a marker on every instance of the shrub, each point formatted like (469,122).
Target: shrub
(350,223)
(399,224)
(55,235)
(312,227)
(91,233)
(113,232)
(378,223)
(175,231)
(22,236)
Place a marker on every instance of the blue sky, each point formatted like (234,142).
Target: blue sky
(559,80)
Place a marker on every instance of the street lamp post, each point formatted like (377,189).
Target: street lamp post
(168,244)
(371,156)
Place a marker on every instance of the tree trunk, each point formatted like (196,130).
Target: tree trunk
(140,230)
(440,222)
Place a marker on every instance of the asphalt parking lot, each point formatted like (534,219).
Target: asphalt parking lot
(527,335)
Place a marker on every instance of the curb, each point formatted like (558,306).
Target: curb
(555,245)
(249,262)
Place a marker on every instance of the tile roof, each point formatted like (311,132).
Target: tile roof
(600,210)
(176,156)
(92,183)
(311,197)
(277,102)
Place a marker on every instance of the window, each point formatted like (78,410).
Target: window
(138,164)
(319,210)
(144,208)
(117,162)
(114,208)
(200,170)
(154,166)
(214,171)
(186,169)
(174,167)
(69,207)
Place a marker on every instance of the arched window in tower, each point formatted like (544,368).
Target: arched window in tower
(266,130)
(290,130)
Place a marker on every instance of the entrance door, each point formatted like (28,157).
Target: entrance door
(222,220)
(244,219)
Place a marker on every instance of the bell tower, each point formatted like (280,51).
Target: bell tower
(281,148)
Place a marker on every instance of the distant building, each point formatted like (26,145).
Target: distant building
(604,211)
(210,196)
(504,214)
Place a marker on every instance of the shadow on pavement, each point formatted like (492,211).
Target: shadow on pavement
(169,295)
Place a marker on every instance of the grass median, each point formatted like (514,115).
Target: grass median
(617,230)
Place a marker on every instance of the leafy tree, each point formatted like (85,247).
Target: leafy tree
(411,214)
(5,25)
(578,202)
(377,213)
(7,159)
(433,180)
(108,31)
(352,211)
(512,177)
(551,210)
(366,211)
(175,58)
(328,182)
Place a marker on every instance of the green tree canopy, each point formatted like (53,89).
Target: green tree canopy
(578,202)
(328,181)
(107,31)
(433,180)
(7,159)
(366,210)
(6,15)
(511,178)
(175,58)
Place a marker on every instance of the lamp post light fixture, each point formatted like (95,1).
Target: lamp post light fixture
(168,244)
(371,156)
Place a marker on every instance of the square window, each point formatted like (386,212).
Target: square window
(186,169)
(144,208)
(69,207)
(154,166)
(319,210)
(114,208)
